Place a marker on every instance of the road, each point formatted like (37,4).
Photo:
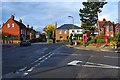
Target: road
(58,61)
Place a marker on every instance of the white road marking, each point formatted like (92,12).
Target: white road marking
(22,69)
(25,74)
(116,51)
(30,69)
(111,57)
(74,62)
(91,64)
(39,58)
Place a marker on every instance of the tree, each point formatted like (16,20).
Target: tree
(89,14)
(50,30)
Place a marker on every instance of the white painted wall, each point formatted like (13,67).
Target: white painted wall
(76,31)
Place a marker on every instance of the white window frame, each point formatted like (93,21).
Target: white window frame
(13,25)
(107,28)
(65,31)
(111,28)
(60,32)
(21,31)
(73,31)
(78,31)
(8,25)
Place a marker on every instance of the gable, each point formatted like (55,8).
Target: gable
(10,22)
(118,26)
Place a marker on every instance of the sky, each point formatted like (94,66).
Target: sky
(39,14)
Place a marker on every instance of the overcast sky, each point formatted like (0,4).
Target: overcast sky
(39,14)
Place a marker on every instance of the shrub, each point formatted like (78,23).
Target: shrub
(112,43)
(58,40)
(100,40)
(49,40)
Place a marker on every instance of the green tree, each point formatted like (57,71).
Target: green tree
(89,14)
(50,30)
(71,35)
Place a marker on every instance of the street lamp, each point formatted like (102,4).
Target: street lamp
(72,20)
(72,27)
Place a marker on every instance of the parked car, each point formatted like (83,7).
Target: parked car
(25,43)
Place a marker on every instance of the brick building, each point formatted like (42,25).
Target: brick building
(63,32)
(13,28)
(117,28)
(106,28)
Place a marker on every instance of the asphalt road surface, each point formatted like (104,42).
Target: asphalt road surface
(58,61)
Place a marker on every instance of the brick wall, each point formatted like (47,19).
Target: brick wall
(14,31)
(61,35)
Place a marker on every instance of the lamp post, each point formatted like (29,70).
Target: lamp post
(72,20)
(72,28)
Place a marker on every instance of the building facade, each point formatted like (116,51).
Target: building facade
(14,28)
(63,32)
(106,28)
(117,28)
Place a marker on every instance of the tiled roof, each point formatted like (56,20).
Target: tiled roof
(117,25)
(101,23)
(108,23)
(20,24)
(68,26)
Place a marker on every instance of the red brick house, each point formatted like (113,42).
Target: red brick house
(14,28)
(106,28)
(109,29)
(100,27)
(117,28)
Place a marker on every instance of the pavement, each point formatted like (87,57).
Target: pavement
(101,48)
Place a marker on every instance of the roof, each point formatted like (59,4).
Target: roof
(68,26)
(117,25)
(101,23)
(107,23)
(20,24)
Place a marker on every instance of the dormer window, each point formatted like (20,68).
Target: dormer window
(8,25)
(13,25)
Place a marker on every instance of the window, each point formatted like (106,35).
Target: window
(107,29)
(60,32)
(117,29)
(73,31)
(78,30)
(111,28)
(65,31)
(61,37)
(8,25)
(21,31)
(13,25)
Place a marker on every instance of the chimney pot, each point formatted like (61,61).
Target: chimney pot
(12,17)
(20,20)
(28,26)
(104,19)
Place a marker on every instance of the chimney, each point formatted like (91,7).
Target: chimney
(12,17)
(113,22)
(28,26)
(20,20)
(31,27)
(3,24)
(104,19)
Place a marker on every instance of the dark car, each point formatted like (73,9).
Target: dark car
(25,43)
